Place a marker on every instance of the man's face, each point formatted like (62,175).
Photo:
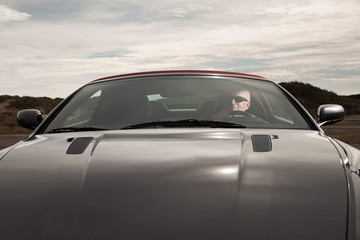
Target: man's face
(241,101)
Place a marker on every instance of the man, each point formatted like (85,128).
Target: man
(241,100)
(240,103)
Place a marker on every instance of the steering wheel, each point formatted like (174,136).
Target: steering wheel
(240,113)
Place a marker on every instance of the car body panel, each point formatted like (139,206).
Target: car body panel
(280,178)
(174,184)
(351,157)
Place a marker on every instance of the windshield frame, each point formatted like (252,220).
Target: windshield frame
(299,108)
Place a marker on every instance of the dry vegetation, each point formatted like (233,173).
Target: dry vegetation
(10,105)
(347,131)
(311,97)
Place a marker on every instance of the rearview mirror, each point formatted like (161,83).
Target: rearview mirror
(29,118)
(329,114)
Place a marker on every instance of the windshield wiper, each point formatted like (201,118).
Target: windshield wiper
(75,129)
(186,123)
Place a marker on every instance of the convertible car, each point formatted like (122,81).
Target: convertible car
(180,155)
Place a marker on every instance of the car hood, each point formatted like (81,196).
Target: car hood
(174,184)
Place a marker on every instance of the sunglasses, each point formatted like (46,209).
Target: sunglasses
(239,99)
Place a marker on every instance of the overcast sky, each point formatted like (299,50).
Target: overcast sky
(52,47)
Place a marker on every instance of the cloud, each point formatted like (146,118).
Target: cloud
(313,8)
(67,45)
(10,15)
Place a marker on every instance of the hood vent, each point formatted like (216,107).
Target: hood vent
(261,143)
(78,145)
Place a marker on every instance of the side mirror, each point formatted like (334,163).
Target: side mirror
(29,118)
(329,114)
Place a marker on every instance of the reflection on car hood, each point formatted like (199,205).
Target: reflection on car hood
(174,184)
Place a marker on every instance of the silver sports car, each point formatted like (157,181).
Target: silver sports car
(180,155)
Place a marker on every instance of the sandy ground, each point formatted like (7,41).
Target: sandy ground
(8,140)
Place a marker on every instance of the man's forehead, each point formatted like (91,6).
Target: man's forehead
(243,92)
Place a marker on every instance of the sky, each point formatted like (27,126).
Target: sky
(52,47)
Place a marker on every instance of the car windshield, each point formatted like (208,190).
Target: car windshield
(177,101)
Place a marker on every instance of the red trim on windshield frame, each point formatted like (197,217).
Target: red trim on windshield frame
(180,71)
